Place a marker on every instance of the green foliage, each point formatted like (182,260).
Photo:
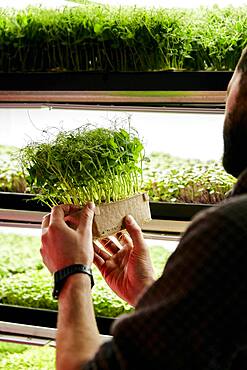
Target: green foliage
(32,287)
(219,36)
(172,179)
(7,150)
(29,289)
(90,37)
(8,348)
(159,256)
(82,1)
(18,254)
(168,179)
(94,37)
(11,178)
(40,358)
(86,164)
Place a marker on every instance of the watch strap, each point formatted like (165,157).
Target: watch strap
(60,276)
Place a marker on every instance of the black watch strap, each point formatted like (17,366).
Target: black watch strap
(60,276)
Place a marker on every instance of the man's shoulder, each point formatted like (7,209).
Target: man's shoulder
(222,227)
(233,209)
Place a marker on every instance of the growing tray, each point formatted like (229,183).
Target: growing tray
(159,210)
(108,218)
(116,88)
(43,317)
(115,81)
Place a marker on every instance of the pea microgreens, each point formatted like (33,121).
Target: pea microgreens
(96,37)
(86,164)
(171,179)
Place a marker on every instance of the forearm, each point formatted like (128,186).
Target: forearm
(77,334)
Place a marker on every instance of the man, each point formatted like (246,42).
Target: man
(194,317)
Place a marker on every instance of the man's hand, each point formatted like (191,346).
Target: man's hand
(64,245)
(126,266)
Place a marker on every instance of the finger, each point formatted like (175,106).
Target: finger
(98,261)
(124,239)
(86,219)
(110,245)
(46,221)
(135,232)
(72,218)
(97,250)
(58,213)
(71,209)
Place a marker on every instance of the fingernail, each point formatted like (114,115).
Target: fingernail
(91,206)
(48,214)
(128,219)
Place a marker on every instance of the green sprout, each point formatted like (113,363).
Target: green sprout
(171,179)
(11,177)
(85,164)
(96,37)
(26,357)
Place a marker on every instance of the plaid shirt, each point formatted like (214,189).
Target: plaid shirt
(194,317)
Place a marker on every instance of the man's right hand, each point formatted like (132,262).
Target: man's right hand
(126,266)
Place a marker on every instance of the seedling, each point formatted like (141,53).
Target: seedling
(103,165)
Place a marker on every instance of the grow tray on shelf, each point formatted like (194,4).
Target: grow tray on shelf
(42,317)
(170,87)
(20,207)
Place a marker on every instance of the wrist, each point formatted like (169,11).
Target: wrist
(61,277)
(80,283)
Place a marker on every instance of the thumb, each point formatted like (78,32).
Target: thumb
(86,219)
(135,233)
(57,214)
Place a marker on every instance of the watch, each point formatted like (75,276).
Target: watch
(60,276)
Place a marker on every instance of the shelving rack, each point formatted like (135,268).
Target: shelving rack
(202,92)
(162,89)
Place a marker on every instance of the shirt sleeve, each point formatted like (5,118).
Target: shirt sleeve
(194,316)
(104,359)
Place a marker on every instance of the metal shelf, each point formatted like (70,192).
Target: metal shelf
(154,89)
(115,81)
(42,318)
(32,335)
(20,210)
